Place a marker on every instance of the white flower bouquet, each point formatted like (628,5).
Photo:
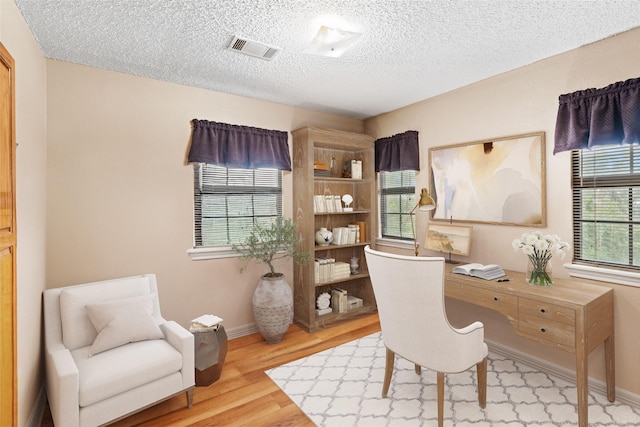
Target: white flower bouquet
(540,248)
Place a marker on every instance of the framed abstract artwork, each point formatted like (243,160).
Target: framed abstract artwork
(495,181)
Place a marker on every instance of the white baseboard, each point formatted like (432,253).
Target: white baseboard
(241,331)
(35,417)
(596,385)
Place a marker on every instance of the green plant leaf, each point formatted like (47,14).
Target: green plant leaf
(267,243)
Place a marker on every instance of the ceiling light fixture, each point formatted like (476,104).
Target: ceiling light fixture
(332,42)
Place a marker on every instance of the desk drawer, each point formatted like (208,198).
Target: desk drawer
(547,311)
(495,300)
(547,331)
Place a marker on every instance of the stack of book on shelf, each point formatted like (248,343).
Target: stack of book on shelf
(328,270)
(326,203)
(346,235)
(361,236)
(339,300)
(352,169)
(323,268)
(321,169)
(486,272)
(341,270)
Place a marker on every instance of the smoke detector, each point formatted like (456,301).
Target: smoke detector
(253,48)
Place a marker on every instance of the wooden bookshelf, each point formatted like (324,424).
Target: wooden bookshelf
(315,144)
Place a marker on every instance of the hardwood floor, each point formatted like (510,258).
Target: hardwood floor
(244,395)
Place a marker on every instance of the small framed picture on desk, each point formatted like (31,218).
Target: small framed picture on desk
(452,239)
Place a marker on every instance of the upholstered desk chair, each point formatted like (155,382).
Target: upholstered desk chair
(109,353)
(409,292)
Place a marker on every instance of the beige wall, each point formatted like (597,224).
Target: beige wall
(121,196)
(31,169)
(522,101)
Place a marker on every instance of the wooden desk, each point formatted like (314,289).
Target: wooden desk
(571,315)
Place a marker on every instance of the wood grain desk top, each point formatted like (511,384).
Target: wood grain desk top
(566,291)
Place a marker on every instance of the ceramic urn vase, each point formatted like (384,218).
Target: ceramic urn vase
(273,308)
(324,237)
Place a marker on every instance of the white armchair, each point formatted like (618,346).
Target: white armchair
(109,352)
(409,293)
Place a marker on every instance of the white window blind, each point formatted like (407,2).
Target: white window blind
(606,206)
(228,202)
(397,198)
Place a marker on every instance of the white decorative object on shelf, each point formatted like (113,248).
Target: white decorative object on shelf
(354,265)
(347,199)
(324,236)
(353,302)
(323,301)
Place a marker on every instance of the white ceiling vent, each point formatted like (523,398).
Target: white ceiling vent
(253,48)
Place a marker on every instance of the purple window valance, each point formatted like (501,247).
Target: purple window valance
(398,152)
(238,146)
(606,116)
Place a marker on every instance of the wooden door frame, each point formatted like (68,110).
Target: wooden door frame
(8,241)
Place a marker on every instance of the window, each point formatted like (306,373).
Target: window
(606,206)
(397,198)
(229,201)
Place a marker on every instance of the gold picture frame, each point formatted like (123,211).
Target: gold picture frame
(493,181)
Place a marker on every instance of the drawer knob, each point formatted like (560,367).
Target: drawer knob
(542,310)
(543,330)
(495,298)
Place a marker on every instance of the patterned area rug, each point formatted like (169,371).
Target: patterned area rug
(342,387)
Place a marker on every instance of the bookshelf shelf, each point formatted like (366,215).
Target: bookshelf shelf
(339,179)
(343,213)
(346,279)
(332,247)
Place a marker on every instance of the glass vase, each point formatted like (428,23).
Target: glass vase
(539,272)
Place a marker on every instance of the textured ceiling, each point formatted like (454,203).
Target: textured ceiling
(409,50)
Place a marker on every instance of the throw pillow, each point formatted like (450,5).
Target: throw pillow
(123,321)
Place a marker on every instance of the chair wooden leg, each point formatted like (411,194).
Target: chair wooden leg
(481,369)
(190,397)
(440,377)
(388,371)
(418,369)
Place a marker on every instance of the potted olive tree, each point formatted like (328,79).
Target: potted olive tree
(272,300)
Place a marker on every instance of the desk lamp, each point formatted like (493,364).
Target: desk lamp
(426,203)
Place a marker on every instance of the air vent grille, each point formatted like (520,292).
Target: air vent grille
(238,44)
(270,53)
(253,48)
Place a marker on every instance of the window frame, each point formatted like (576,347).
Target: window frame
(201,248)
(584,178)
(407,190)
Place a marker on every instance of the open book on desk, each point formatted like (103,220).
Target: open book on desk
(486,272)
